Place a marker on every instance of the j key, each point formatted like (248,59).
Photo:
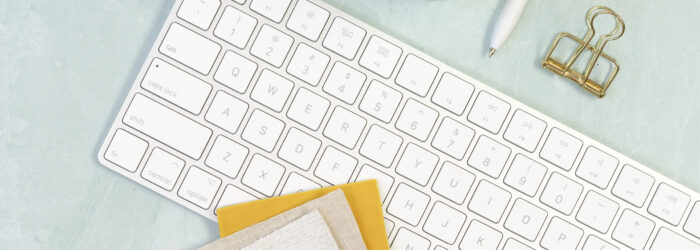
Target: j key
(381,146)
(633,230)
(272,90)
(525,175)
(595,243)
(298,183)
(525,130)
(308,19)
(489,201)
(384,181)
(163,169)
(308,64)
(452,93)
(380,56)
(488,112)
(480,237)
(335,167)
(669,204)
(405,239)
(561,193)
(308,109)
(417,120)
(226,156)
(597,167)
(417,164)
(453,182)
(271,45)
(597,212)
(344,38)
(263,175)
(525,219)
(235,72)
(561,149)
(489,156)
(199,187)
(272,9)
(692,225)
(189,48)
(299,149)
(344,82)
(199,12)
(512,244)
(561,235)
(176,86)
(633,185)
(263,130)
(344,127)
(380,101)
(444,222)
(453,138)
(226,112)
(416,75)
(234,195)
(126,150)
(235,27)
(666,239)
(408,204)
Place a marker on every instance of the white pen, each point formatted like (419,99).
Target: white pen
(506,22)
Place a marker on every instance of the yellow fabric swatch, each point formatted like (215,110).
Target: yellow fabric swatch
(363,198)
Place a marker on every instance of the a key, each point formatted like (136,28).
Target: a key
(272,9)
(453,138)
(199,187)
(126,150)
(597,167)
(380,101)
(234,195)
(344,127)
(308,19)
(406,239)
(488,112)
(479,236)
(272,90)
(669,204)
(163,169)
(344,38)
(597,212)
(263,175)
(525,175)
(489,156)
(632,230)
(489,201)
(297,183)
(667,239)
(561,235)
(512,244)
(561,149)
(235,27)
(176,86)
(417,164)
(271,45)
(381,145)
(416,75)
(235,72)
(444,222)
(388,226)
(380,56)
(299,149)
(633,185)
(561,193)
(417,120)
(525,130)
(344,82)
(692,225)
(384,181)
(308,109)
(226,156)
(199,12)
(308,64)
(335,167)
(525,219)
(452,93)
(226,112)
(453,182)
(408,204)
(263,130)
(595,243)
(189,48)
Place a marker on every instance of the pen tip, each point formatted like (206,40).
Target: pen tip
(491,52)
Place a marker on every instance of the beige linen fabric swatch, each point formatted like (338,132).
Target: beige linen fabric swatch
(333,207)
(308,232)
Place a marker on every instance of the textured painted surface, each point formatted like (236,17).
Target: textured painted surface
(65,67)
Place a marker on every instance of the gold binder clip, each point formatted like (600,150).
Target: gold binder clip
(582,78)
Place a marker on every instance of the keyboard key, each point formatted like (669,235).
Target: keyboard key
(595,243)
(416,75)
(263,175)
(235,27)
(525,219)
(444,222)
(388,226)
(561,149)
(167,126)
(633,185)
(380,101)
(272,90)
(480,236)
(669,204)
(163,169)
(235,72)
(452,93)
(272,9)
(234,195)
(297,183)
(126,150)
(380,56)
(417,120)
(489,156)
(271,45)
(561,235)
(199,187)
(344,82)
(189,48)
(335,167)
(308,109)
(176,86)
(408,204)
(384,181)
(489,201)
(525,175)
(199,12)
(666,239)
(344,127)
(307,19)
(308,64)
(344,38)
(406,239)
(299,149)
(239,1)
(488,112)
(692,225)
(561,193)
(381,145)
(226,156)
(226,112)
(633,230)
(512,244)
(597,167)
(453,138)
(417,164)
(525,130)
(263,130)
(453,182)
(440,248)
(597,212)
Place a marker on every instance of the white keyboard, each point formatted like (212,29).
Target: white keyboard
(243,100)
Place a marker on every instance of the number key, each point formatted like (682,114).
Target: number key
(344,82)
(417,119)
(489,156)
(380,101)
(488,112)
(308,64)
(561,193)
(271,45)
(525,175)
(453,138)
(235,27)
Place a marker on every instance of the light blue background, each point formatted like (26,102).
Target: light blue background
(66,66)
